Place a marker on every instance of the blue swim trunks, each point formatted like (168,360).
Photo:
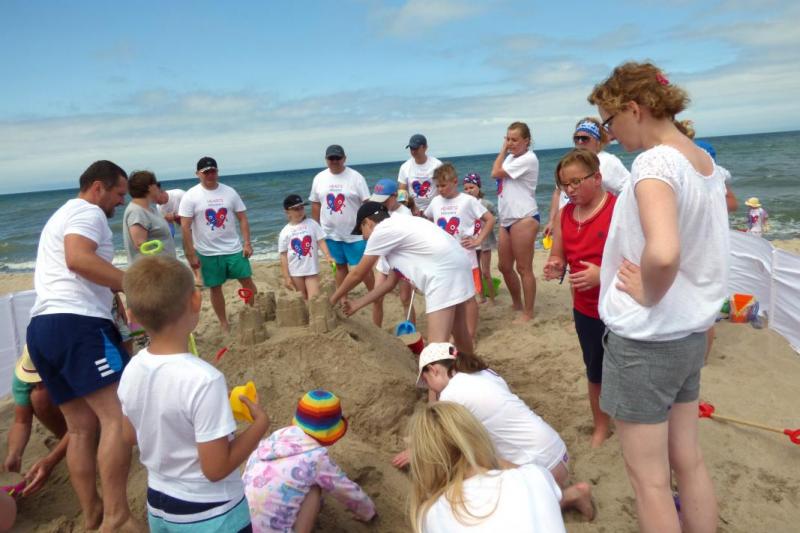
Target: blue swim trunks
(74,354)
(346,253)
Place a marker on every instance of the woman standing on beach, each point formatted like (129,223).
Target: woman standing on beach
(516,170)
(662,282)
(141,221)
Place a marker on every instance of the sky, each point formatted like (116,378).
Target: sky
(264,86)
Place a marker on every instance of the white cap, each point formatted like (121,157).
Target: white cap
(435,351)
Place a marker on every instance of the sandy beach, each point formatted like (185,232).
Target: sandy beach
(751,374)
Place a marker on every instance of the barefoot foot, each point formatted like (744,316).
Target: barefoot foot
(579,497)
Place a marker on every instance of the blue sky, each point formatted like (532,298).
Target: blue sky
(268,85)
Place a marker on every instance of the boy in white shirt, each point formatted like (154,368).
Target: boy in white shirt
(416,174)
(210,240)
(458,214)
(176,407)
(342,190)
(298,243)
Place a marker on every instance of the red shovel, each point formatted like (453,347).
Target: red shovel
(245,294)
(707,411)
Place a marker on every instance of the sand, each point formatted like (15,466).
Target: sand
(751,374)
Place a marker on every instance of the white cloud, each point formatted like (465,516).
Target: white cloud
(420,16)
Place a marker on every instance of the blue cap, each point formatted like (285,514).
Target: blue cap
(383,190)
(705,145)
(416,141)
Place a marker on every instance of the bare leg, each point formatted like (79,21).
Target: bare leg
(299,283)
(312,286)
(247,283)
(218,303)
(486,273)
(505,262)
(440,324)
(341,273)
(309,510)
(377,307)
(577,496)
(405,298)
(471,318)
(461,336)
(8,512)
(523,237)
(600,419)
(82,459)
(644,448)
(380,277)
(48,414)
(698,502)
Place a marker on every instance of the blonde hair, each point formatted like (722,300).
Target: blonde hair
(604,138)
(581,156)
(156,290)
(523,130)
(645,84)
(448,444)
(445,172)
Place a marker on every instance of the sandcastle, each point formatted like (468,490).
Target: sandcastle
(291,310)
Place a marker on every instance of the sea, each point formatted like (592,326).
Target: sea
(762,165)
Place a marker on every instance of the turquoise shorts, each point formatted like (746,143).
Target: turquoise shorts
(346,253)
(21,391)
(217,269)
(162,507)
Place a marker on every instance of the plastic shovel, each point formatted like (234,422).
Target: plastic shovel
(404,328)
(707,411)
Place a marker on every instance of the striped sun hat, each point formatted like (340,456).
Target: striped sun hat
(319,414)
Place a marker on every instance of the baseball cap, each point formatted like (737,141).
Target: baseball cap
(206,163)
(435,351)
(383,190)
(334,150)
(416,141)
(293,200)
(367,209)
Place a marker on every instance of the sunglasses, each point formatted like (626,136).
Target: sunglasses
(581,139)
(606,125)
(335,158)
(574,183)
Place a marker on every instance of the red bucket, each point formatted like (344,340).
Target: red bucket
(414,341)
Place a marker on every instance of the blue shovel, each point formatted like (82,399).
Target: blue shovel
(404,328)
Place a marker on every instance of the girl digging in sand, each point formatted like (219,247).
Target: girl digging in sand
(458,484)
(520,435)
(516,170)
(578,240)
(662,282)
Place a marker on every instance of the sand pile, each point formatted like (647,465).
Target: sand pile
(751,374)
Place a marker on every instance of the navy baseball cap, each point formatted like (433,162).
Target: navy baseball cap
(206,163)
(334,150)
(367,209)
(416,141)
(293,200)
(383,190)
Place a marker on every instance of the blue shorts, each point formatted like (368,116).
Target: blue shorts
(346,253)
(74,354)
(168,514)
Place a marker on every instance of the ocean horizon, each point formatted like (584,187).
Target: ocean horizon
(761,165)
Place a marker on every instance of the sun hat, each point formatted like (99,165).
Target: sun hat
(367,209)
(334,150)
(416,141)
(206,163)
(473,178)
(319,415)
(752,202)
(293,200)
(25,369)
(435,351)
(383,190)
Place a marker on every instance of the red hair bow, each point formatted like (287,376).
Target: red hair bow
(661,79)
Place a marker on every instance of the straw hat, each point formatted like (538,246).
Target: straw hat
(752,202)
(319,415)
(25,370)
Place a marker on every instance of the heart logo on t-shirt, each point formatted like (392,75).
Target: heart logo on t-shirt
(301,247)
(216,219)
(421,188)
(450,226)
(307,245)
(335,203)
(499,182)
(478,227)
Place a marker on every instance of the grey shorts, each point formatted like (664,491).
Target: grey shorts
(642,379)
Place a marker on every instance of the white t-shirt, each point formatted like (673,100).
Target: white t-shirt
(519,435)
(383,266)
(756,219)
(614,173)
(693,301)
(520,500)
(433,262)
(58,289)
(419,180)
(460,217)
(516,196)
(171,207)
(299,241)
(175,402)
(213,214)
(340,195)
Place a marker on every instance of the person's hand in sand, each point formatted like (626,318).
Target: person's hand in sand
(13,463)
(586,279)
(402,459)
(630,281)
(37,475)
(554,268)
(351,307)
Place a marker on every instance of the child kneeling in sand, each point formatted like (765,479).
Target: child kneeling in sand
(284,477)
(297,243)
(176,406)
(520,435)
(459,484)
